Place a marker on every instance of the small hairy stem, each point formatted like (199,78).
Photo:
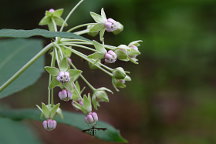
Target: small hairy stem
(82,77)
(72,40)
(79,26)
(26,66)
(70,13)
(81,32)
(54,24)
(81,46)
(50,91)
(108,68)
(56,55)
(85,57)
(59,49)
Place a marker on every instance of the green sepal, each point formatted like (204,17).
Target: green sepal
(134,60)
(76,92)
(100,95)
(102,34)
(74,74)
(94,65)
(50,111)
(99,47)
(52,70)
(135,43)
(118,83)
(97,18)
(103,14)
(119,73)
(96,56)
(54,83)
(64,64)
(66,52)
(87,103)
(120,28)
(53,110)
(96,28)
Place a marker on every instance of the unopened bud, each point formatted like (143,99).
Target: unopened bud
(49,124)
(51,10)
(110,57)
(91,118)
(65,95)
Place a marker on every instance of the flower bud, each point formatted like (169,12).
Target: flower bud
(49,124)
(113,26)
(119,73)
(91,118)
(99,95)
(119,83)
(51,10)
(110,57)
(63,76)
(65,95)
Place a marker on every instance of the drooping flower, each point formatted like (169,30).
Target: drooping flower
(110,57)
(65,95)
(91,118)
(49,124)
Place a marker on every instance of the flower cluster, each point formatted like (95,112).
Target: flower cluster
(65,75)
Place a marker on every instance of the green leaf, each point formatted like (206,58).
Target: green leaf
(14,54)
(14,132)
(52,70)
(111,134)
(13,33)
(74,74)
(64,64)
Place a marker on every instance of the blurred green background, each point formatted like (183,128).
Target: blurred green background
(172,98)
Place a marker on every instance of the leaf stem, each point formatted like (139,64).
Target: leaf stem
(26,66)
(79,26)
(70,13)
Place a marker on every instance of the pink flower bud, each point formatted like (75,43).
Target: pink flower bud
(63,77)
(110,57)
(70,60)
(51,10)
(49,124)
(65,95)
(91,118)
(110,25)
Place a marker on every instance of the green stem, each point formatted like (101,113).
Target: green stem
(51,77)
(81,46)
(108,68)
(81,32)
(27,65)
(85,57)
(82,77)
(79,26)
(72,40)
(70,13)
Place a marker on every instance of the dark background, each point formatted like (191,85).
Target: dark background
(172,98)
